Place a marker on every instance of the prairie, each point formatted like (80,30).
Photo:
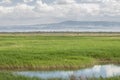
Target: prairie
(57,52)
(39,51)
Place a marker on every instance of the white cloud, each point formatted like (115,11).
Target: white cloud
(26,1)
(111,7)
(5,10)
(42,7)
(65,1)
(22,10)
(59,10)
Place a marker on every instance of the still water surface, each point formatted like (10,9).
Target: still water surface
(96,71)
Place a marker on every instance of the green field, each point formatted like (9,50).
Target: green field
(56,51)
(39,52)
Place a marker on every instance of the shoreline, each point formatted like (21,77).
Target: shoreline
(55,67)
(60,33)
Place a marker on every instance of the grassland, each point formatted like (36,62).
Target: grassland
(10,76)
(44,51)
(39,52)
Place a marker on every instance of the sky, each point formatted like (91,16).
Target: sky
(29,12)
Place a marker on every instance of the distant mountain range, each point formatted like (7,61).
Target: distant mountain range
(71,26)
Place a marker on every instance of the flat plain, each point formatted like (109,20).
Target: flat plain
(45,51)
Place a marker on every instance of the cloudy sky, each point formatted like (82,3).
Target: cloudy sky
(18,12)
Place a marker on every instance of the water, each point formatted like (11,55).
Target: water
(97,71)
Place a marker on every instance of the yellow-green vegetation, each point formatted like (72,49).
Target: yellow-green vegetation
(10,76)
(35,52)
(113,78)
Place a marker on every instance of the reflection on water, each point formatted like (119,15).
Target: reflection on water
(97,71)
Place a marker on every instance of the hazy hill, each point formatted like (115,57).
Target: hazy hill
(76,26)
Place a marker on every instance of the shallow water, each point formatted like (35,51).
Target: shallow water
(97,71)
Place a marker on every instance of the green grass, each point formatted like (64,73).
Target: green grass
(56,52)
(9,76)
(113,78)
